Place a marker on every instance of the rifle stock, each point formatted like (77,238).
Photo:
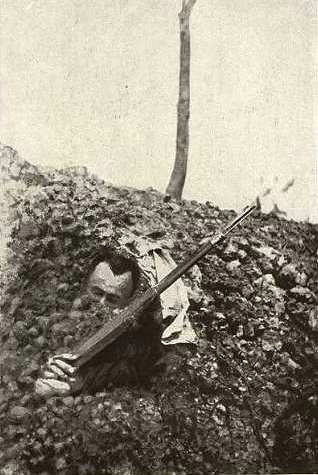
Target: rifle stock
(125,319)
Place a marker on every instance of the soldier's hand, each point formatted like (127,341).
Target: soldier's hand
(58,376)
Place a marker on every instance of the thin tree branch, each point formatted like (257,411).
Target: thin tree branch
(187,6)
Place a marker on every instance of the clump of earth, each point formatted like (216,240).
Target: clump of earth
(244,400)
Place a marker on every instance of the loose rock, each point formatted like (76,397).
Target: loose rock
(19,414)
(287,276)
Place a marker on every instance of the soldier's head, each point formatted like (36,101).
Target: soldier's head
(112,281)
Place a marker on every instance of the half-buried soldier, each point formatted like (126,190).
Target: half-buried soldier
(112,284)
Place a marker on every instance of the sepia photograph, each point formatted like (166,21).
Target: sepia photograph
(158,237)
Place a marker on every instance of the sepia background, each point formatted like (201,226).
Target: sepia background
(96,84)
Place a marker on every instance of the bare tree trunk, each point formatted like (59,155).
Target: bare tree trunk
(178,176)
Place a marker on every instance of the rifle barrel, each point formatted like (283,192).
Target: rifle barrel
(176,273)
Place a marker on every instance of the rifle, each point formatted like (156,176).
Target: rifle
(127,317)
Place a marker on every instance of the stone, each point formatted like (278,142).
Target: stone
(20,326)
(63,287)
(279,293)
(313,319)
(44,323)
(302,293)
(230,252)
(77,304)
(19,414)
(279,307)
(174,207)
(242,255)
(68,401)
(243,243)
(281,261)
(60,463)
(42,432)
(88,399)
(77,170)
(249,331)
(33,367)
(40,341)
(267,251)
(233,266)
(265,280)
(26,398)
(12,386)
(15,304)
(3,397)
(12,431)
(28,229)
(266,265)
(220,316)
(301,279)
(290,362)
(196,274)
(29,349)
(68,341)
(75,314)
(287,276)
(58,328)
(247,291)
(33,332)
(11,468)
(85,469)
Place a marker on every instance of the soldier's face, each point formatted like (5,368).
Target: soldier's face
(107,288)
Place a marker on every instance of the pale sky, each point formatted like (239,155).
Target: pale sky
(96,84)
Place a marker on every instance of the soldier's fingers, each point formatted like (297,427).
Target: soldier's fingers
(66,356)
(49,374)
(58,371)
(67,368)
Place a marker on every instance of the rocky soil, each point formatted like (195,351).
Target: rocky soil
(243,401)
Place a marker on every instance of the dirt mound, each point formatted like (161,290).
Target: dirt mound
(244,401)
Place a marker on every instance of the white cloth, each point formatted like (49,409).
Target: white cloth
(156,263)
(174,302)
